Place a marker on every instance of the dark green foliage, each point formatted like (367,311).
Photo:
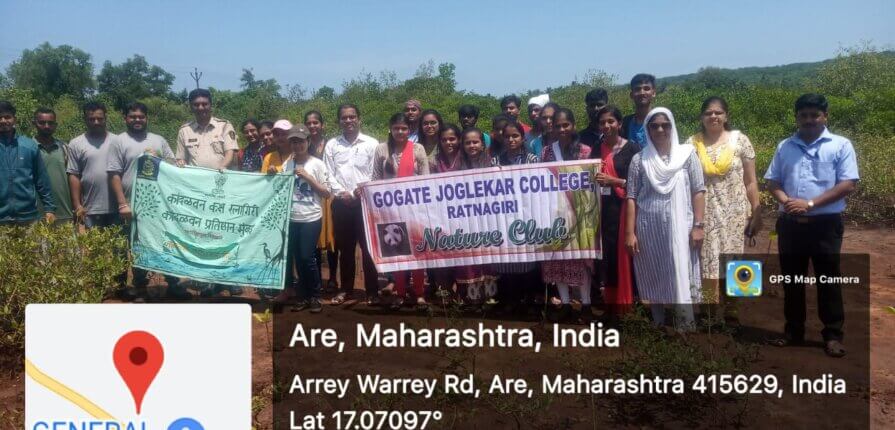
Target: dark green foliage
(860,84)
(134,79)
(52,264)
(53,71)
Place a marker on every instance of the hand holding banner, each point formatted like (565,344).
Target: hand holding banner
(513,214)
(227,228)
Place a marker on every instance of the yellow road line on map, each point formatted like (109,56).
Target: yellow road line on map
(65,392)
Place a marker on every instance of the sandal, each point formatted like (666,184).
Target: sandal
(388,289)
(834,349)
(338,299)
(782,342)
(396,305)
(421,304)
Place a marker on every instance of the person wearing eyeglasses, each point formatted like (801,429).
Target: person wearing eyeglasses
(732,207)
(664,225)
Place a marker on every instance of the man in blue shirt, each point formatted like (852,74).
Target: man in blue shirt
(643,92)
(23,177)
(811,174)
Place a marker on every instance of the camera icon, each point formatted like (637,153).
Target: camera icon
(743,278)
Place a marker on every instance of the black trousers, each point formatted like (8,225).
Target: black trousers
(817,239)
(349,232)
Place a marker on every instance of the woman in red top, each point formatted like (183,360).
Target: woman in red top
(617,276)
(397,158)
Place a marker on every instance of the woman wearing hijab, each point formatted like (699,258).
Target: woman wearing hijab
(664,229)
(397,158)
(731,200)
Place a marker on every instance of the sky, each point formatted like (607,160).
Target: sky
(497,47)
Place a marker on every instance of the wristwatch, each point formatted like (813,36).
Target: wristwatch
(810,204)
(698,224)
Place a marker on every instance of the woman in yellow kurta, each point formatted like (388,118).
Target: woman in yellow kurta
(327,241)
(731,201)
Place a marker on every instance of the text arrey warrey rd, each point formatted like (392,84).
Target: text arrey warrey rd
(376,384)
(479,336)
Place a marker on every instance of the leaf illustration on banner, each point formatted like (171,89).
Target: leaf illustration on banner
(584,226)
(146,202)
(273,212)
(279,204)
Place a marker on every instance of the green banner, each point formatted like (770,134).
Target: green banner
(227,228)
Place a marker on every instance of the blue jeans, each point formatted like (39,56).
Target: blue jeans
(302,252)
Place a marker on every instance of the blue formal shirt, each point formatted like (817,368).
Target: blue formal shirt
(807,170)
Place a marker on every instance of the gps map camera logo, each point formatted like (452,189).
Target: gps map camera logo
(743,278)
(60,393)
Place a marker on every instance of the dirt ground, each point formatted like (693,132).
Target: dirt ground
(879,243)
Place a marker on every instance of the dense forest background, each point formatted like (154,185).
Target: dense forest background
(859,82)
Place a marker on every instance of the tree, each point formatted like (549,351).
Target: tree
(134,79)
(325,93)
(861,68)
(249,83)
(713,78)
(295,93)
(425,70)
(598,78)
(53,71)
(248,80)
(447,73)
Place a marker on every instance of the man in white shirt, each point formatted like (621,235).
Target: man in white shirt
(349,159)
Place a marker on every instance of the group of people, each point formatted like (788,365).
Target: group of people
(669,211)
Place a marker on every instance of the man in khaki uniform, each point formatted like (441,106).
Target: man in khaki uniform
(207,141)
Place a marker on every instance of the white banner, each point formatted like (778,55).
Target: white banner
(513,214)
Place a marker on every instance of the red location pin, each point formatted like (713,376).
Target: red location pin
(138,356)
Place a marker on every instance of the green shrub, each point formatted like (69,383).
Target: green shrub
(52,264)
(858,84)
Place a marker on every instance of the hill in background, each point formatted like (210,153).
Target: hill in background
(793,75)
